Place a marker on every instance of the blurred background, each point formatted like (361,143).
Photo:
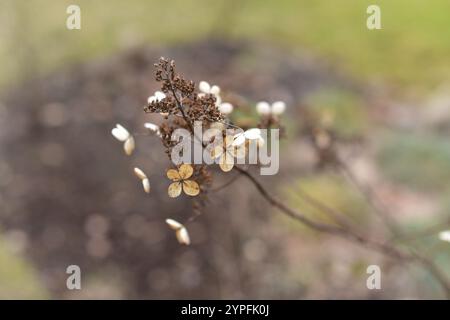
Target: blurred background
(68,196)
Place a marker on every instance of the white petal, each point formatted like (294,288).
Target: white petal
(215,90)
(159,95)
(140,174)
(120,133)
(278,107)
(445,235)
(151,99)
(226,108)
(129,145)
(151,126)
(183,236)
(262,108)
(204,87)
(146,185)
(253,134)
(174,225)
(239,139)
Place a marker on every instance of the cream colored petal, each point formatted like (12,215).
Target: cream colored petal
(183,236)
(174,189)
(185,171)
(129,146)
(146,185)
(226,162)
(262,108)
(139,173)
(120,133)
(173,175)
(252,134)
(173,224)
(239,139)
(278,107)
(204,87)
(191,187)
(215,90)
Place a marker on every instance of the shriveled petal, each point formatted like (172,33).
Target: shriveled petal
(253,134)
(139,173)
(262,108)
(129,145)
(226,162)
(191,187)
(278,107)
(215,90)
(185,171)
(120,133)
(173,224)
(226,108)
(204,87)
(173,175)
(239,139)
(183,236)
(174,189)
(146,185)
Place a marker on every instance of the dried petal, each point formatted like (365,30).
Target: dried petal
(185,171)
(173,175)
(226,162)
(217,152)
(191,187)
(174,189)
(173,224)
(129,145)
(139,173)
(183,236)
(120,133)
(160,95)
(239,139)
(146,185)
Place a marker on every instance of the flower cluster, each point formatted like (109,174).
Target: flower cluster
(182,105)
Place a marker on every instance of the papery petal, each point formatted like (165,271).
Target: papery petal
(191,187)
(173,224)
(226,108)
(139,173)
(226,162)
(120,133)
(204,87)
(146,185)
(185,171)
(239,151)
(262,108)
(129,146)
(278,107)
(183,236)
(151,126)
(174,189)
(173,175)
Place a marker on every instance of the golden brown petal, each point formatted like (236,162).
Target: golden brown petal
(191,187)
(174,189)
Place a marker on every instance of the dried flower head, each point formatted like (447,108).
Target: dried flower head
(180,178)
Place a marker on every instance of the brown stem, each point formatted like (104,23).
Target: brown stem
(347,233)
